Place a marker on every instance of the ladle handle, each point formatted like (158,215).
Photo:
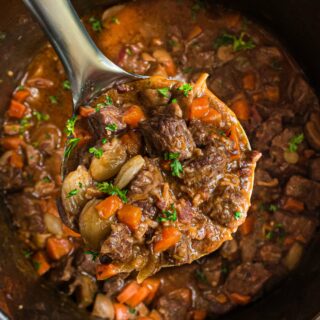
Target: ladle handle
(84,62)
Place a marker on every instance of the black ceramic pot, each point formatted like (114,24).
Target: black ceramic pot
(23,296)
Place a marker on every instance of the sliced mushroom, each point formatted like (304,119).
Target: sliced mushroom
(128,171)
(73,191)
(86,289)
(93,229)
(312,131)
(114,156)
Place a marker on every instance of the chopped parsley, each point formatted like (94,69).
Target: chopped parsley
(71,144)
(94,254)
(111,127)
(273,208)
(46,179)
(110,189)
(129,51)
(27,253)
(20,88)
(201,276)
(53,99)
(132,310)
(176,166)
(72,193)
(237,215)
(96,152)
(294,142)
(115,20)
(36,265)
(109,101)
(174,100)
(269,235)
(70,124)
(168,215)
(104,140)
(66,85)
(172,43)
(41,116)
(186,88)
(80,185)
(238,43)
(96,24)
(24,124)
(164,92)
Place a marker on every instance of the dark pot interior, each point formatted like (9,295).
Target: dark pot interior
(23,296)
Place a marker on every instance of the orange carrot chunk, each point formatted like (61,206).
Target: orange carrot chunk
(199,314)
(239,298)
(195,31)
(133,116)
(248,81)
(40,262)
(69,232)
(153,285)
(16,160)
(241,108)
(109,206)
(16,109)
(21,95)
(106,271)
(212,116)
(130,215)
(247,227)
(128,292)
(85,112)
(11,143)
(235,138)
(199,108)
(121,311)
(138,297)
(58,248)
(292,204)
(170,236)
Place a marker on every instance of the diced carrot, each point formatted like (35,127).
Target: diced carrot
(16,160)
(155,315)
(247,227)
(292,204)
(241,108)
(272,93)
(170,236)
(58,248)
(21,95)
(105,271)
(109,206)
(199,108)
(195,31)
(213,116)
(69,232)
(11,143)
(221,298)
(153,285)
(138,297)
(132,142)
(239,298)
(121,311)
(40,262)
(199,314)
(130,215)
(248,81)
(235,138)
(86,111)
(128,292)
(133,116)
(16,109)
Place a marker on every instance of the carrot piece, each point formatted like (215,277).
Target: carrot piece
(132,142)
(248,81)
(40,262)
(235,138)
(69,232)
(212,116)
(133,116)
(109,206)
(153,285)
(21,95)
(239,298)
(292,204)
(199,314)
(155,315)
(85,112)
(130,215)
(199,108)
(121,311)
(241,108)
(221,298)
(128,292)
(247,227)
(16,109)
(105,271)
(170,236)
(138,297)
(11,143)
(196,31)
(16,160)
(58,248)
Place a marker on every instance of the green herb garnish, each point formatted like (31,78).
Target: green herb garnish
(80,185)
(111,127)
(164,92)
(129,51)
(70,124)
(71,144)
(186,88)
(294,142)
(273,208)
(46,179)
(96,152)
(41,116)
(104,140)
(115,20)
(20,88)
(36,265)
(176,166)
(132,310)
(269,235)
(96,24)
(66,85)
(172,43)
(237,215)
(110,189)
(109,101)
(238,44)
(27,253)
(174,100)
(72,193)
(24,124)
(94,254)
(53,99)
(168,215)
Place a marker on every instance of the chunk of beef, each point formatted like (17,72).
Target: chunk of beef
(315,169)
(175,304)
(167,134)
(153,97)
(247,279)
(300,227)
(248,247)
(147,208)
(85,262)
(106,116)
(305,190)
(202,174)
(119,245)
(270,253)
(47,137)
(63,270)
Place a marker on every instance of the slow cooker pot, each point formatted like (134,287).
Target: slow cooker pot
(24,296)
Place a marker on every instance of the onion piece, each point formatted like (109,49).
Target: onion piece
(103,307)
(53,224)
(293,256)
(128,171)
